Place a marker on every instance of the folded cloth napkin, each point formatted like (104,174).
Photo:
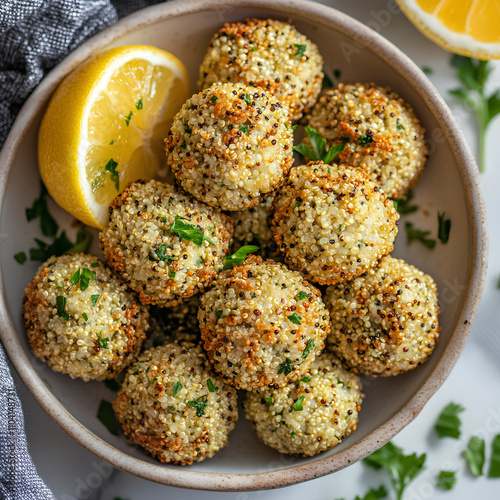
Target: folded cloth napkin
(35,35)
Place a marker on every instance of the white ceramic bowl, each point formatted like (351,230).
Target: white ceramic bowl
(450,183)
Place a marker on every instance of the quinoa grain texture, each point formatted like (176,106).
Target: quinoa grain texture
(91,333)
(174,407)
(385,322)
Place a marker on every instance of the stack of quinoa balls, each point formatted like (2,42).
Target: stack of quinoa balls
(292,329)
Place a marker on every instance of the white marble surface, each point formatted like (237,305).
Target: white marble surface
(73,473)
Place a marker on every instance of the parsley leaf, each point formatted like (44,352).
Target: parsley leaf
(218,314)
(189,232)
(103,342)
(295,319)
(474,454)
(444,227)
(399,126)
(83,241)
(60,307)
(84,316)
(403,204)
(172,275)
(20,257)
(402,468)
(495,458)
(302,295)
(446,479)
(106,415)
(448,423)
(238,257)
(309,348)
(94,299)
(115,176)
(427,70)
(318,151)
(128,118)
(39,209)
(211,386)
(200,404)
(159,254)
(82,276)
(298,405)
(213,98)
(416,234)
(305,379)
(374,494)
(285,367)
(300,50)
(244,128)
(327,81)
(365,139)
(138,104)
(248,99)
(177,388)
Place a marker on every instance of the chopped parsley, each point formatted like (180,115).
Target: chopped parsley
(373,494)
(446,479)
(218,314)
(106,415)
(95,264)
(302,295)
(39,209)
(248,100)
(365,139)
(115,176)
(211,386)
(189,232)
(200,404)
(295,319)
(177,388)
(103,342)
(444,228)
(298,405)
(238,257)
(427,70)
(111,142)
(399,126)
(213,98)
(309,348)
(305,379)
(297,205)
(128,118)
(494,470)
(292,435)
(448,422)
(474,454)
(82,276)
(138,104)
(318,151)
(395,203)
(269,400)
(94,299)
(60,308)
(172,275)
(243,128)
(183,145)
(85,317)
(285,367)
(159,254)
(414,234)
(187,129)
(21,257)
(300,50)
(327,82)
(403,204)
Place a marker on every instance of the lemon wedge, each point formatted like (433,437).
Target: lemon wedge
(466,27)
(104,127)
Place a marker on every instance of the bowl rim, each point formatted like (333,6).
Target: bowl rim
(215,481)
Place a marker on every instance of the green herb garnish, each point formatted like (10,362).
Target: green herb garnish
(446,479)
(94,299)
(218,314)
(399,126)
(285,367)
(448,423)
(473,75)
(300,50)
(172,275)
(183,145)
(305,379)
(187,129)
(115,176)
(327,81)
(106,415)
(243,128)
(298,405)
(248,99)
(200,404)
(128,118)
(85,317)
(309,348)
(159,254)
(427,70)
(213,98)
(337,73)
(177,388)
(20,257)
(365,139)
(238,257)
(103,341)
(413,233)
(494,470)
(292,435)
(318,151)
(138,104)
(39,209)
(403,204)
(302,295)
(189,232)
(95,264)
(474,454)
(82,276)
(60,307)
(269,400)
(295,319)
(444,227)
(374,494)
(402,468)
(111,142)
(211,386)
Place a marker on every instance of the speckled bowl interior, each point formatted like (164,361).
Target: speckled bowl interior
(450,183)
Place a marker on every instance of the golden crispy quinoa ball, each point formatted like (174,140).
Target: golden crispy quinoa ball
(81,320)
(262,325)
(229,145)
(333,223)
(385,322)
(164,244)
(311,415)
(380,131)
(174,407)
(269,54)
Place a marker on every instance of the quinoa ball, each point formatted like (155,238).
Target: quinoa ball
(262,325)
(332,222)
(174,407)
(164,244)
(81,320)
(179,322)
(229,145)
(251,227)
(380,132)
(385,322)
(311,415)
(269,54)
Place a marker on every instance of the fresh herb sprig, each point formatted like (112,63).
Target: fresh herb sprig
(446,479)
(444,228)
(106,415)
(474,454)
(238,257)
(414,234)
(403,205)
(494,470)
(189,232)
(318,151)
(473,74)
(448,422)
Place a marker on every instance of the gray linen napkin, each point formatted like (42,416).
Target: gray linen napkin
(35,35)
